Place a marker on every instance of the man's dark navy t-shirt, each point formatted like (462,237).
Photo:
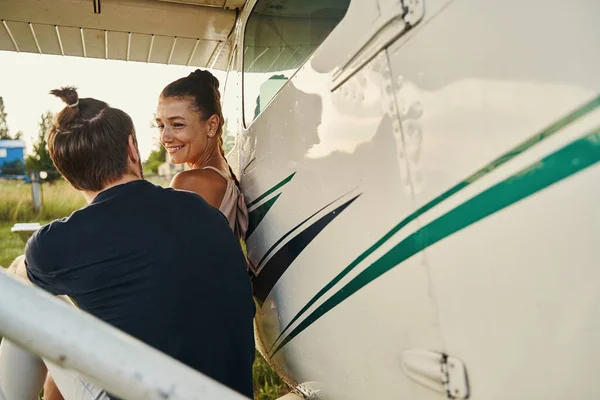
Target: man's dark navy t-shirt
(161,265)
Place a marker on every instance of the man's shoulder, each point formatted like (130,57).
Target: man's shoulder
(192,205)
(50,233)
(42,242)
(182,196)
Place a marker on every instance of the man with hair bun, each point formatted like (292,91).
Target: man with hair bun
(157,263)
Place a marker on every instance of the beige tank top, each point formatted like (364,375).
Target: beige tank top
(233,206)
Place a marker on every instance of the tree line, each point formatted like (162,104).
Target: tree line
(39,160)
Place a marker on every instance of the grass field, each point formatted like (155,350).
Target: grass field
(11,245)
(60,200)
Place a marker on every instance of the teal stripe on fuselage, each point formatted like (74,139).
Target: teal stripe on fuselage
(561,164)
(509,155)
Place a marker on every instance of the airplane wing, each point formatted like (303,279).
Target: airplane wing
(180,32)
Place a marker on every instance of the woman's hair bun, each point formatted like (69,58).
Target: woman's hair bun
(68,94)
(205,77)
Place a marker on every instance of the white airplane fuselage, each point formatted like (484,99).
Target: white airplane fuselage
(430,193)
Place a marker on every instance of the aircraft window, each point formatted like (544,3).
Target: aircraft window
(280,36)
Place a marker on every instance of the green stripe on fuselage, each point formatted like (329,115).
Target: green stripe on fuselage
(268,192)
(561,164)
(527,144)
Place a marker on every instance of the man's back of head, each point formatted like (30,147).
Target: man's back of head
(92,144)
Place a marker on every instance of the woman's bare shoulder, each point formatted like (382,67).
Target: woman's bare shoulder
(208,184)
(196,177)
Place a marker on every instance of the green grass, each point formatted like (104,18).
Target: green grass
(11,246)
(16,205)
(60,200)
(267,384)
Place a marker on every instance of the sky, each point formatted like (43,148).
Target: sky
(26,79)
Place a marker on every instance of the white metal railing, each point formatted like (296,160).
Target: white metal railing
(102,354)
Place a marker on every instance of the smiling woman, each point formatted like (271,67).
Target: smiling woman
(190,121)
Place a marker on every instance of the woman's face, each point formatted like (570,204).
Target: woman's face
(183,133)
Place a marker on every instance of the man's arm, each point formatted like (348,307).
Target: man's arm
(18,269)
(36,266)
